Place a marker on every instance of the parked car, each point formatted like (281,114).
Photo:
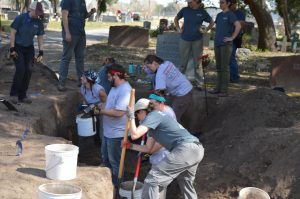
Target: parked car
(136,16)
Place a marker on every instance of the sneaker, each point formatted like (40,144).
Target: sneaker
(234,80)
(14,99)
(61,88)
(25,100)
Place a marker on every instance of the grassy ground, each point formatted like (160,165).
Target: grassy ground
(56,25)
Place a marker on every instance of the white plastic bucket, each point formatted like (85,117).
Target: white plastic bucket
(126,190)
(85,126)
(61,161)
(59,191)
(253,193)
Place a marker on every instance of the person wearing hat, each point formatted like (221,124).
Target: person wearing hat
(114,119)
(169,80)
(191,42)
(178,141)
(74,13)
(237,42)
(227,29)
(102,74)
(23,29)
(92,92)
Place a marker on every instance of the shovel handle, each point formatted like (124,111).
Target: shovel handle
(131,103)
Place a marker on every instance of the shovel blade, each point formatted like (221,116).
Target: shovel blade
(9,105)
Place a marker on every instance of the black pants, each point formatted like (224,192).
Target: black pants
(22,76)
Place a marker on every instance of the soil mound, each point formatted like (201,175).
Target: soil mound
(252,140)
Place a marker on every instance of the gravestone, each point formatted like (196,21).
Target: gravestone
(167,47)
(108,18)
(128,36)
(147,24)
(286,72)
(11,15)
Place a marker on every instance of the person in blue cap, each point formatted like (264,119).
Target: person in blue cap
(23,29)
(74,13)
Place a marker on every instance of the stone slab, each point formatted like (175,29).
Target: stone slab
(128,36)
(286,72)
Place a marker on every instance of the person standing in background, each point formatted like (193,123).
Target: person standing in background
(227,29)
(74,13)
(237,43)
(191,43)
(23,29)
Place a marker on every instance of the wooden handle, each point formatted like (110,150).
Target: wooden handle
(131,104)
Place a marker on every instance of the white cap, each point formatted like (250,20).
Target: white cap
(37,7)
(141,104)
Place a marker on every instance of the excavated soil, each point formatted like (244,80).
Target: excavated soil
(251,138)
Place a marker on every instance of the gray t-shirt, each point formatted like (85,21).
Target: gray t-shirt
(169,111)
(224,27)
(118,99)
(166,131)
(91,96)
(169,78)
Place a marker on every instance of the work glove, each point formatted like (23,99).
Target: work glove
(13,53)
(130,113)
(126,144)
(39,58)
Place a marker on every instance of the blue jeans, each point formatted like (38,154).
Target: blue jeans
(234,68)
(23,72)
(77,45)
(111,154)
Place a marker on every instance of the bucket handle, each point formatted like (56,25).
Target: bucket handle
(56,163)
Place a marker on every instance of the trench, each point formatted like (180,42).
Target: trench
(60,121)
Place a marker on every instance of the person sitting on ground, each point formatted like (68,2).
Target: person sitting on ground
(103,74)
(169,79)
(186,152)
(93,93)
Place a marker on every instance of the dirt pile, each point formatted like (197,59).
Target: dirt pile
(252,140)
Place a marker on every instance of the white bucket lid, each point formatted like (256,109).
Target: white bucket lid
(61,148)
(253,193)
(60,189)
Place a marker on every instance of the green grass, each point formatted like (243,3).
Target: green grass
(56,25)
(5,25)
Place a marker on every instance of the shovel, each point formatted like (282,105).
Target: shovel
(8,105)
(138,166)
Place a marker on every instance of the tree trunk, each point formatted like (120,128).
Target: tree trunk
(266,29)
(287,26)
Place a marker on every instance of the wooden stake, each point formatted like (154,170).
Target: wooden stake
(131,104)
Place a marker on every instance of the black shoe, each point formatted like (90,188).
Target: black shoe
(234,80)
(25,100)
(61,88)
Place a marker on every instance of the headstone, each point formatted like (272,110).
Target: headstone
(128,36)
(283,44)
(286,72)
(167,47)
(108,18)
(147,24)
(11,15)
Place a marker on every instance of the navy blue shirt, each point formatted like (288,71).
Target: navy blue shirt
(224,27)
(77,15)
(26,28)
(240,17)
(103,79)
(193,20)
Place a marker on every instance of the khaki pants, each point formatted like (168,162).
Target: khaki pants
(194,48)
(222,55)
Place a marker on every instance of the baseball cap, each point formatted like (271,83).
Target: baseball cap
(189,1)
(37,7)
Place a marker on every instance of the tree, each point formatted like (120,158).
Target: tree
(266,28)
(289,11)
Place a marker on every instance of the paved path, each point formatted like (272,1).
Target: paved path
(53,47)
